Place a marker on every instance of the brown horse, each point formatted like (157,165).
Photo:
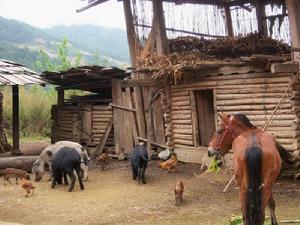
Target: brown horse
(256,164)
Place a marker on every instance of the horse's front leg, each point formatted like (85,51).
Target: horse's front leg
(272,211)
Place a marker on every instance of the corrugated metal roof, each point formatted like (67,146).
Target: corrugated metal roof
(12,73)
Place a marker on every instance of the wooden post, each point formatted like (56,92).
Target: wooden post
(160,28)
(116,89)
(60,96)
(131,36)
(293,7)
(16,134)
(260,14)
(149,126)
(228,20)
(2,138)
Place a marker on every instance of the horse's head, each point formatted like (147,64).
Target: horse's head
(37,170)
(229,128)
(222,140)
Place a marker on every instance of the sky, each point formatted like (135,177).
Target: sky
(47,13)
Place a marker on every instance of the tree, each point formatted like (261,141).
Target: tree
(62,62)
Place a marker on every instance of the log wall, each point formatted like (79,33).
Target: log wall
(82,123)
(255,94)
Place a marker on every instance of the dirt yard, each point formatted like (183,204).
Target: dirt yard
(112,197)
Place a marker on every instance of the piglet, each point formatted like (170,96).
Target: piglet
(178,192)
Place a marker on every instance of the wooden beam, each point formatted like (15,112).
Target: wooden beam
(228,20)
(117,115)
(160,28)
(293,7)
(60,96)
(260,14)
(131,36)
(183,31)
(152,142)
(90,5)
(149,125)
(104,138)
(152,100)
(122,107)
(16,130)
(139,83)
(284,67)
(148,45)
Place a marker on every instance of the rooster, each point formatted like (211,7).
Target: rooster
(27,186)
(170,164)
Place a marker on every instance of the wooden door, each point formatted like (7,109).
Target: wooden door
(206,115)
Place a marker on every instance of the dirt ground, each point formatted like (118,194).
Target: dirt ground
(112,197)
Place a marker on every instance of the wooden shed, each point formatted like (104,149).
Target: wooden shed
(85,117)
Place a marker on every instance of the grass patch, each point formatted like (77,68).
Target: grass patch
(30,139)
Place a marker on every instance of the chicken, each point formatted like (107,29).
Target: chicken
(179,188)
(27,186)
(170,164)
(103,160)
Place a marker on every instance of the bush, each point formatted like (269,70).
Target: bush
(35,110)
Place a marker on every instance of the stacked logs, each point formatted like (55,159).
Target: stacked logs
(166,107)
(253,96)
(181,118)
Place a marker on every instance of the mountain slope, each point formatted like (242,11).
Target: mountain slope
(20,42)
(111,42)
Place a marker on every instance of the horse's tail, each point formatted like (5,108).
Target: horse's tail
(284,154)
(254,212)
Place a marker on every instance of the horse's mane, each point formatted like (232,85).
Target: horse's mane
(244,119)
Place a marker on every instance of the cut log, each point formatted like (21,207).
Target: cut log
(20,162)
(284,68)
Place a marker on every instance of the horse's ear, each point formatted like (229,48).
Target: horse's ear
(224,117)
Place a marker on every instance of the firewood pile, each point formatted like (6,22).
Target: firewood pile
(234,47)
(191,51)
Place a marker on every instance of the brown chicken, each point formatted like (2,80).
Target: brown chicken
(178,190)
(27,186)
(12,172)
(170,164)
(103,160)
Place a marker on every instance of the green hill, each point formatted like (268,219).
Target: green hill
(111,42)
(21,42)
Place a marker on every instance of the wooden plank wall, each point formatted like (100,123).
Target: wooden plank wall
(254,94)
(101,115)
(84,123)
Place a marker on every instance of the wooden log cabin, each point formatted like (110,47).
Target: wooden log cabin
(193,96)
